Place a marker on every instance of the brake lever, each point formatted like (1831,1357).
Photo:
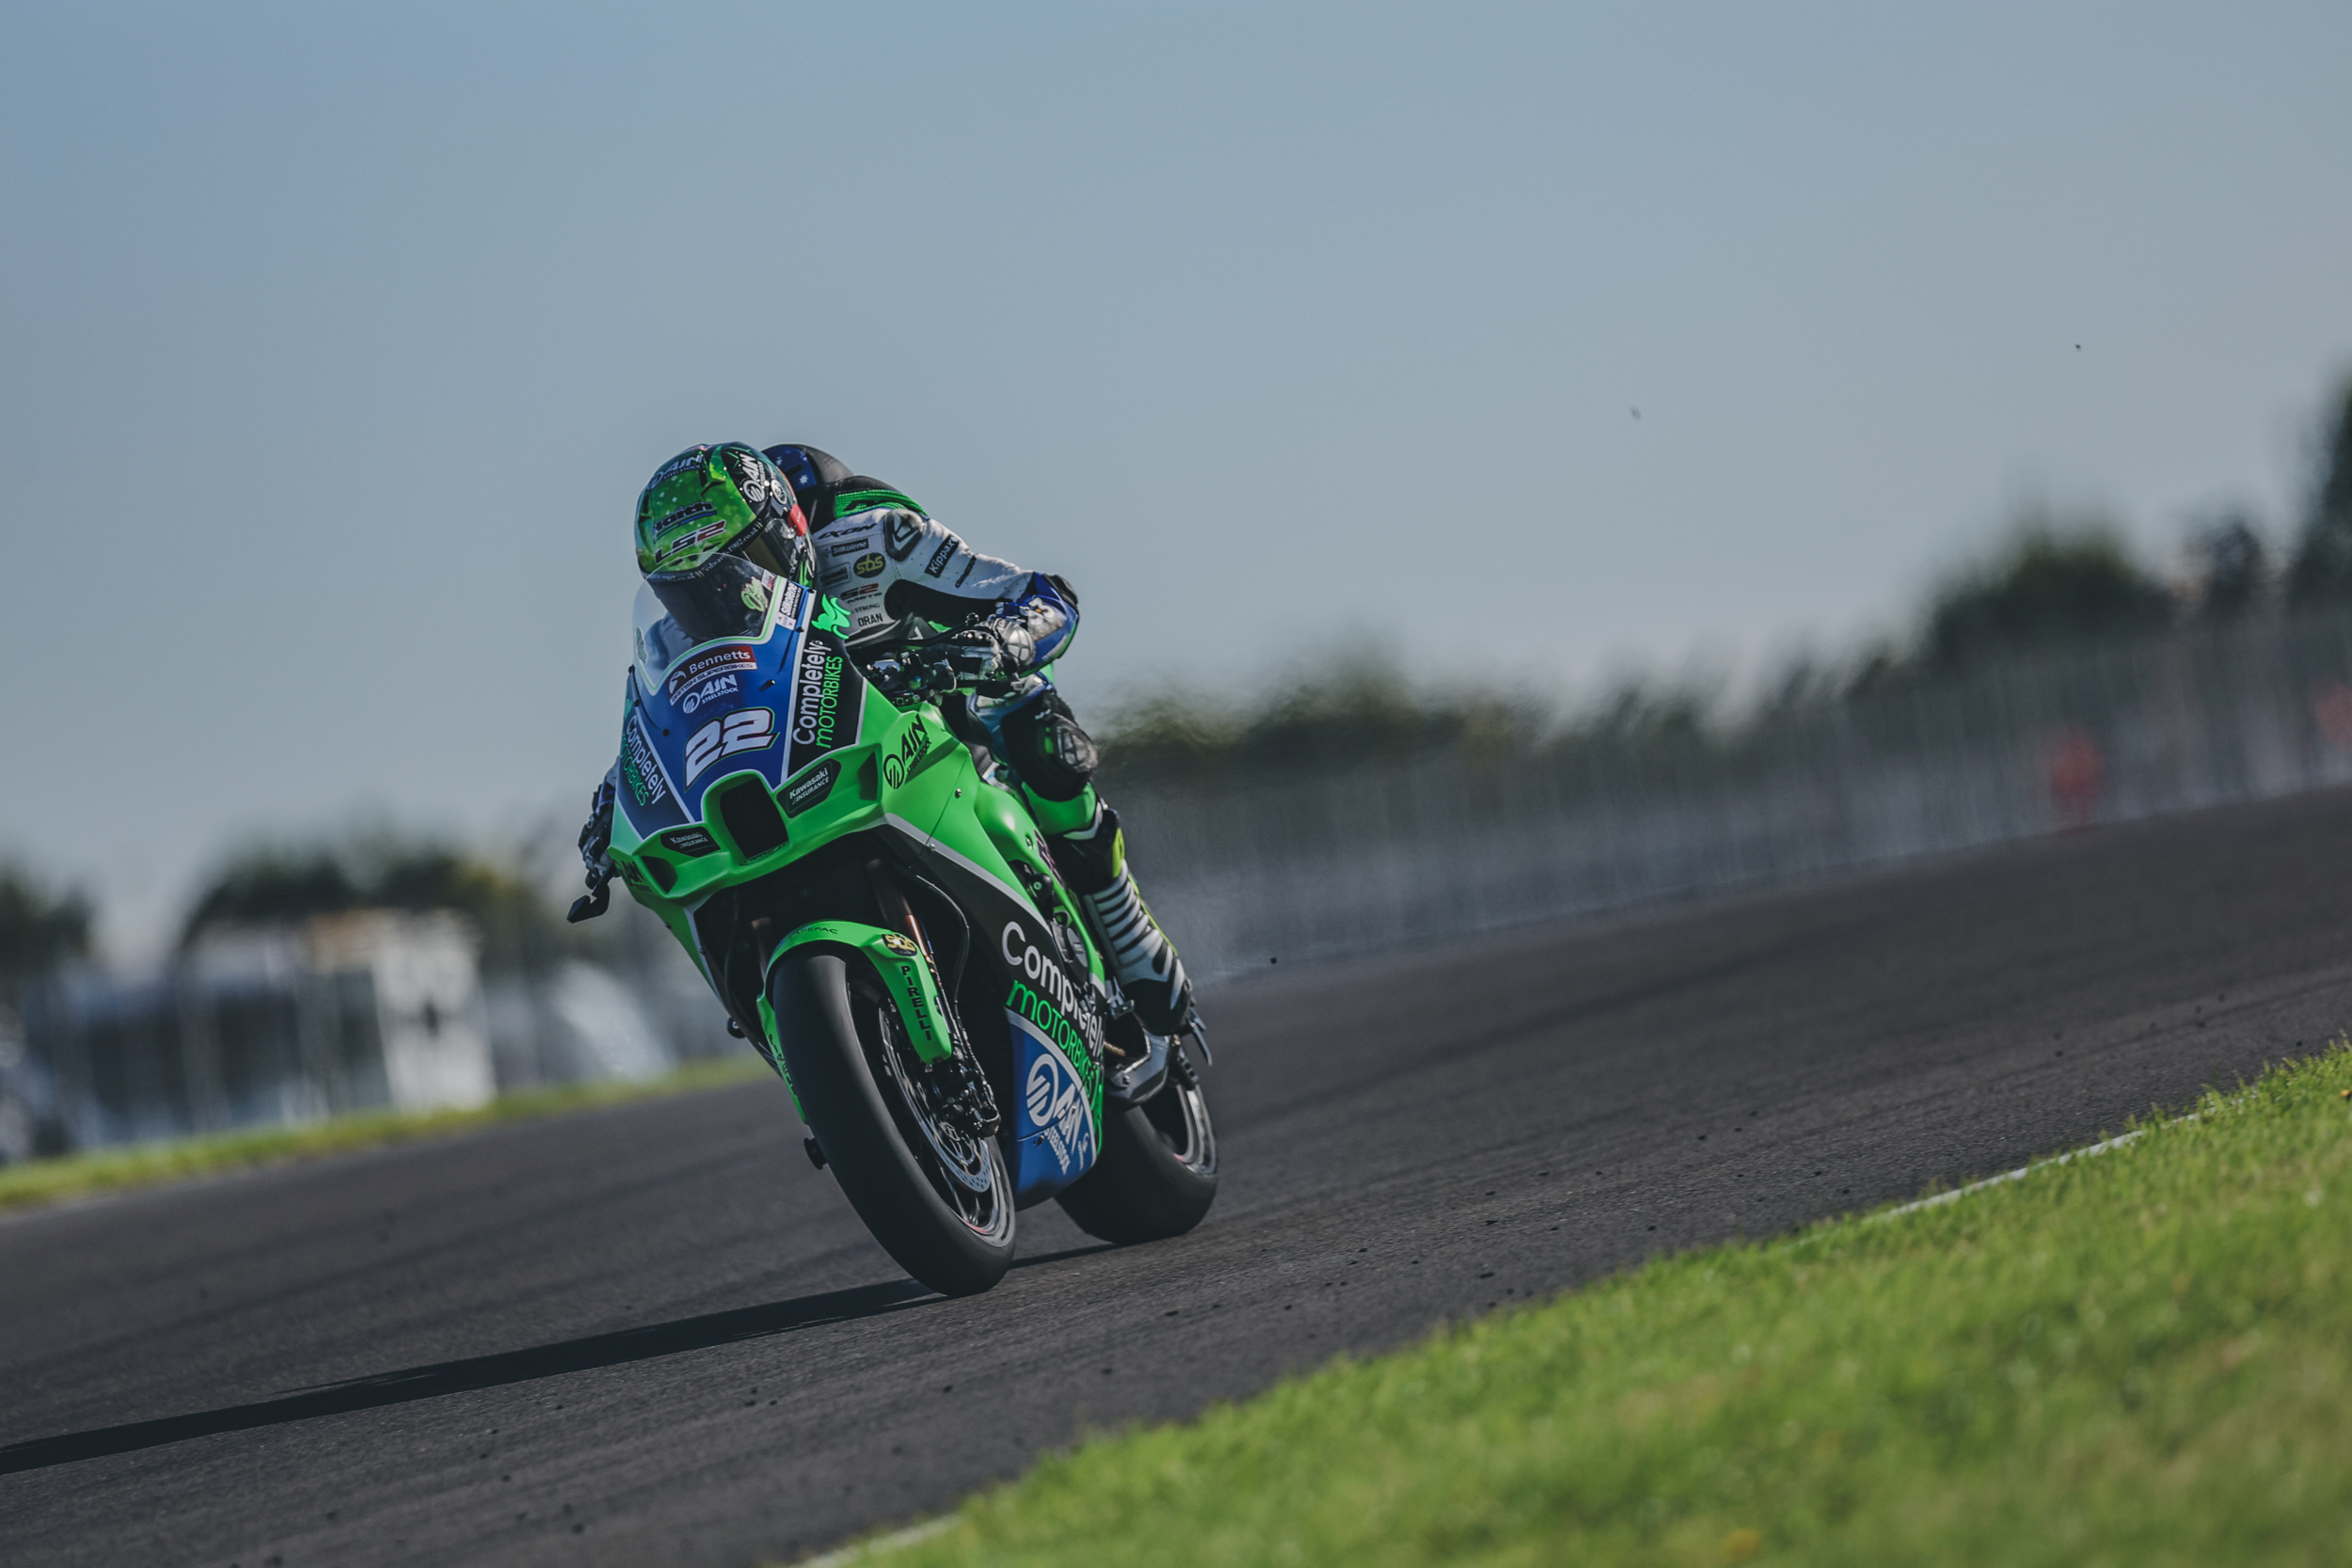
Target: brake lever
(594,902)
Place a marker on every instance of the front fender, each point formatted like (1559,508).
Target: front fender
(914,990)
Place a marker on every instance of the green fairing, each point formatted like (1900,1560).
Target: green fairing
(914,773)
(905,972)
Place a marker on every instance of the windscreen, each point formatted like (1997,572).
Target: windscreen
(728,598)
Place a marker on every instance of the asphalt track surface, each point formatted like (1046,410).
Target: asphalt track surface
(655,1335)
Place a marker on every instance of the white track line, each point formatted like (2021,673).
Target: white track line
(2018,1174)
(897,1540)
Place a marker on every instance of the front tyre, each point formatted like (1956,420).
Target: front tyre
(1157,1175)
(937,1199)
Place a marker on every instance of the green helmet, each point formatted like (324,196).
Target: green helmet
(714,501)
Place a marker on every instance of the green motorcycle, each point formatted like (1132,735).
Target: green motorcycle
(884,924)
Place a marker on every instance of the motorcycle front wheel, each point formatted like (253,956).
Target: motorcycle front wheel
(937,1199)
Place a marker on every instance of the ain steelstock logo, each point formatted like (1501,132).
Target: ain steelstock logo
(917,741)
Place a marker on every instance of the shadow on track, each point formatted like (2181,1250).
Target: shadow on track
(481,1372)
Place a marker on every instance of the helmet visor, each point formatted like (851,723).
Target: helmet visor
(726,598)
(775,547)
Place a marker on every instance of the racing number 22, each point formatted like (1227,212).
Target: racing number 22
(746,729)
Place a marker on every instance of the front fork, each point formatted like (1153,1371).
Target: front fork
(957,1079)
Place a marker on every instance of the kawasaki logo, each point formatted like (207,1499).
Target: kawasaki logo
(812,788)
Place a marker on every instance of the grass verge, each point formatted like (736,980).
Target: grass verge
(145,1165)
(2144,1358)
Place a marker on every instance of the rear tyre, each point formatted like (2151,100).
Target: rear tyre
(938,1199)
(1156,1176)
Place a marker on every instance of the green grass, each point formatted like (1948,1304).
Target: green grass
(145,1165)
(2143,1358)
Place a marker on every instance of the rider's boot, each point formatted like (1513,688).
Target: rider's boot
(1091,855)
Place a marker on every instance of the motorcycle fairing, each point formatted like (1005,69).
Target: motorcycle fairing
(1057,1116)
(1052,1009)
(771,706)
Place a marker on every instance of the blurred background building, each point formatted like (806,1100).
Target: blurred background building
(388,977)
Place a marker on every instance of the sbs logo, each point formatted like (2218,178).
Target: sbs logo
(870,565)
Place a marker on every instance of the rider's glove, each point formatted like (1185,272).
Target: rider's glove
(975,656)
(595,834)
(596,851)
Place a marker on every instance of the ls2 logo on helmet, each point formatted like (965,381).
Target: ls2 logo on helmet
(748,729)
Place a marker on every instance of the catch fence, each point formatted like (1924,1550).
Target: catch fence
(1310,867)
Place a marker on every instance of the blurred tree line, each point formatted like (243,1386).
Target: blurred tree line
(40,929)
(2056,580)
(271,885)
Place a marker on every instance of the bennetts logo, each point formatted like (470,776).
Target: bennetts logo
(697,667)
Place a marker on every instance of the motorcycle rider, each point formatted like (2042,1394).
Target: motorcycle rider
(801,513)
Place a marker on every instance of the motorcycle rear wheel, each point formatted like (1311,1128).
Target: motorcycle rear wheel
(1157,1175)
(938,1199)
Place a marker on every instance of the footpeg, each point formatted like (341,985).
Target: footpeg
(1135,1082)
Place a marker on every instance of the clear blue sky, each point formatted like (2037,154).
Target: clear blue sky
(335,341)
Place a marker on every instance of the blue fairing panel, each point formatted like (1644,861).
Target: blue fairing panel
(770,707)
(1054,1122)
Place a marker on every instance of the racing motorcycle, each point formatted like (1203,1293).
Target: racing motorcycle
(883,921)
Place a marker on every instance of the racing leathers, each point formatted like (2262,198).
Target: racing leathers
(901,575)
